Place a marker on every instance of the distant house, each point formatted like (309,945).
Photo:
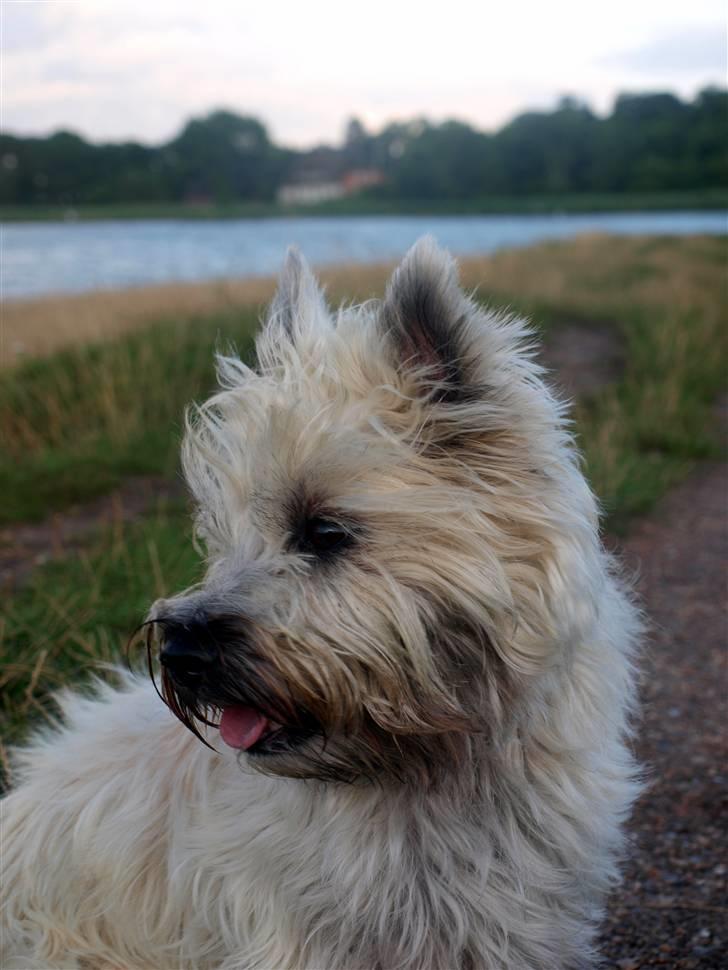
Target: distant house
(316,185)
(361,178)
(309,193)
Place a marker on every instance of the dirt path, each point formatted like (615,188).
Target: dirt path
(583,358)
(672,909)
(25,546)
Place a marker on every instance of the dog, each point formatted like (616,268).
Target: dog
(397,718)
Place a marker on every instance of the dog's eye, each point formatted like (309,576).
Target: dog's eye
(323,536)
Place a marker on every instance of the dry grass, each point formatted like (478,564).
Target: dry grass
(607,275)
(75,423)
(31,328)
(38,327)
(602,273)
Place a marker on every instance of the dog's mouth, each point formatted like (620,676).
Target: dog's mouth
(248,729)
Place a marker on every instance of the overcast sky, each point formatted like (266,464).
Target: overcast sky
(118,69)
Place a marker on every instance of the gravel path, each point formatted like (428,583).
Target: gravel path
(672,910)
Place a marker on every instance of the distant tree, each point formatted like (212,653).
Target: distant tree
(706,140)
(357,149)
(640,144)
(649,142)
(549,152)
(225,156)
(355,132)
(447,161)
(65,169)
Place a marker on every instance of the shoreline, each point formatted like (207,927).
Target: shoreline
(705,200)
(35,327)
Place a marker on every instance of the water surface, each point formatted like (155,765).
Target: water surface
(58,257)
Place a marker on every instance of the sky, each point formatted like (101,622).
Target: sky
(138,69)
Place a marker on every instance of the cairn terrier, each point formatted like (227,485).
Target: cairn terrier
(409,665)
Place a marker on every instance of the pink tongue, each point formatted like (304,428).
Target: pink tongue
(241,727)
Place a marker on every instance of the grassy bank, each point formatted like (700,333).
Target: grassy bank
(77,422)
(41,325)
(364,204)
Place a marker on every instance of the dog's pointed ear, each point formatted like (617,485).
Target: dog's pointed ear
(425,317)
(299,301)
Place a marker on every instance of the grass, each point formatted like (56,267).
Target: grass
(369,204)
(77,613)
(668,298)
(39,326)
(81,420)
(76,424)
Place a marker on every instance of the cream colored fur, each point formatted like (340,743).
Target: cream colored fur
(469,659)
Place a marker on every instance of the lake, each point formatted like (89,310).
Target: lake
(66,257)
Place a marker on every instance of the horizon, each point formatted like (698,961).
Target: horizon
(127,71)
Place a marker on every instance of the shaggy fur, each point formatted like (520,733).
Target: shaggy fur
(406,584)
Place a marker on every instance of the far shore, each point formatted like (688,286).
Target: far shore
(364,205)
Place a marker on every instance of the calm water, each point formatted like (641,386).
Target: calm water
(38,258)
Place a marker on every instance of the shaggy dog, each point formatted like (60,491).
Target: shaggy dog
(409,663)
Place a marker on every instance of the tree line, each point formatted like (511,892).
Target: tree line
(648,143)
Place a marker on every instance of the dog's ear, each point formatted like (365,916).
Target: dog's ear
(299,301)
(425,317)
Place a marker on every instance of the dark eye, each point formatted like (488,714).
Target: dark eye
(322,536)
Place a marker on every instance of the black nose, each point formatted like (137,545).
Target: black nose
(187,653)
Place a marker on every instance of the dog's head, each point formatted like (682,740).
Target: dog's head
(395,526)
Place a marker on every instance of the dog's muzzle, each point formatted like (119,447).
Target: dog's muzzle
(188,655)
(210,670)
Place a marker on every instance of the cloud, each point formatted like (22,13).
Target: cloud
(117,69)
(23,26)
(693,49)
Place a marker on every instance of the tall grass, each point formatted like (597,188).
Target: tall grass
(80,612)
(645,433)
(42,325)
(75,424)
(667,298)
